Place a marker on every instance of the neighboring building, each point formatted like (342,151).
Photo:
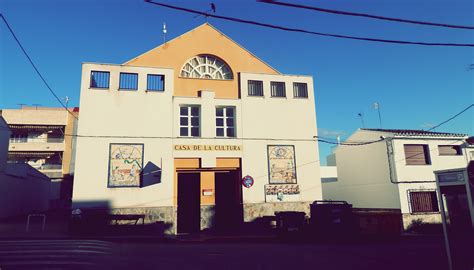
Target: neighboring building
(328,174)
(38,139)
(23,190)
(396,173)
(171,133)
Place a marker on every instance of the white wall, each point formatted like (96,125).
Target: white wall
(363,174)
(123,113)
(285,121)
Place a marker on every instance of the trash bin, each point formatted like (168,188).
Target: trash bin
(332,219)
(290,222)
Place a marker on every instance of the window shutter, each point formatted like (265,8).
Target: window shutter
(415,154)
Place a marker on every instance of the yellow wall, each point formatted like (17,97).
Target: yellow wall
(204,39)
(207,182)
(207,177)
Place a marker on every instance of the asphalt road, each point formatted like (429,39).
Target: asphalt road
(424,253)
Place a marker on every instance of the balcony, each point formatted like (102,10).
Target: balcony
(36,144)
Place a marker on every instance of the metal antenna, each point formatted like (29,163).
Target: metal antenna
(66,100)
(361,119)
(377,107)
(164,32)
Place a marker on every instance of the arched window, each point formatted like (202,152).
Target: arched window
(206,67)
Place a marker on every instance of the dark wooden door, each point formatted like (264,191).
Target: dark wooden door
(189,202)
(229,211)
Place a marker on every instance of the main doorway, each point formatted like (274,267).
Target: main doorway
(189,202)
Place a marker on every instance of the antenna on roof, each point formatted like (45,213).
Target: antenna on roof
(377,107)
(361,119)
(164,32)
(66,100)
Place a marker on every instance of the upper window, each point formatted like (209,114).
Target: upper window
(100,79)
(449,150)
(417,154)
(225,122)
(155,82)
(189,121)
(255,88)
(128,81)
(300,90)
(206,67)
(423,202)
(278,89)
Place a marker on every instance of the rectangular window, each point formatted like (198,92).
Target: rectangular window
(155,82)
(128,81)
(100,79)
(423,202)
(300,90)
(225,121)
(255,88)
(278,89)
(449,150)
(18,138)
(189,121)
(417,154)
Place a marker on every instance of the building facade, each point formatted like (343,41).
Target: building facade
(397,172)
(38,139)
(197,133)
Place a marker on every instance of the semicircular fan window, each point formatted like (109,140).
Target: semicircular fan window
(206,67)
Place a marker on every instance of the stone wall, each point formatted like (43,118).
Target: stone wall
(253,211)
(207,216)
(164,216)
(408,219)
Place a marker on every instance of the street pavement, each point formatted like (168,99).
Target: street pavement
(406,254)
(54,254)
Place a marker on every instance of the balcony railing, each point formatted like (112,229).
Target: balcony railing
(51,167)
(36,140)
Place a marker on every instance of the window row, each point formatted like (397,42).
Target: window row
(189,121)
(277,89)
(419,154)
(127,81)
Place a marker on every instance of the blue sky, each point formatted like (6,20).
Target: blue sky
(416,86)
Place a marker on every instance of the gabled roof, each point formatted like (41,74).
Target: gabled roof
(205,26)
(416,132)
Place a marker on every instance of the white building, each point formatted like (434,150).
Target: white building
(172,132)
(397,172)
(38,139)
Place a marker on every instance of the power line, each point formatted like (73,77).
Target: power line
(346,13)
(217,138)
(454,116)
(289,29)
(34,66)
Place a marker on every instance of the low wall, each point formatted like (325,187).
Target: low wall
(23,190)
(253,211)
